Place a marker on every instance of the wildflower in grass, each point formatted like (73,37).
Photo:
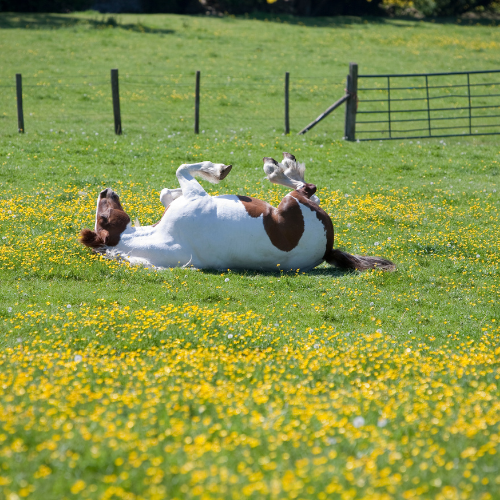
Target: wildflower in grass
(358,422)
(78,487)
(170,407)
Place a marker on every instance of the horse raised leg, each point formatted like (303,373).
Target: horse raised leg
(167,196)
(211,172)
(289,173)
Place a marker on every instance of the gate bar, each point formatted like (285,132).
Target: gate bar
(431,74)
(428,104)
(470,104)
(389,103)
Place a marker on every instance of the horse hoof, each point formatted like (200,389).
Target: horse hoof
(225,171)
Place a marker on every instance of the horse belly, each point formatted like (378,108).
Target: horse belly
(224,236)
(220,234)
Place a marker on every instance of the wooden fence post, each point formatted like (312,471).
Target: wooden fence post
(287,103)
(352,103)
(116,101)
(197,104)
(19,92)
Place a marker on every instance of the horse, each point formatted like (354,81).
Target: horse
(229,231)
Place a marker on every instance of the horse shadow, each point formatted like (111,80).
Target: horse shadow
(320,272)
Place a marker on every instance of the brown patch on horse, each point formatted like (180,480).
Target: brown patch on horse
(303,194)
(307,190)
(111,221)
(254,206)
(284,225)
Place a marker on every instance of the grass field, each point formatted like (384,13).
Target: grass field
(124,382)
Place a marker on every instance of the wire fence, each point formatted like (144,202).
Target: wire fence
(392,106)
(415,106)
(227,103)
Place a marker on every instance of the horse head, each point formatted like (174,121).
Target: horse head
(110,221)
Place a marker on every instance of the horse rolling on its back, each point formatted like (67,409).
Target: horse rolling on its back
(229,231)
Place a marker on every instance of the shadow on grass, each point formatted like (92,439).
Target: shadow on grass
(332,272)
(11,20)
(346,21)
(59,21)
(318,22)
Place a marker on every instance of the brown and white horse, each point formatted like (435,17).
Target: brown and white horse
(229,231)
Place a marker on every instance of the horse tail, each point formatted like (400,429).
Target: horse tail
(344,260)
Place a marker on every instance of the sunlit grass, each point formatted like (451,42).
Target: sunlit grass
(125,382)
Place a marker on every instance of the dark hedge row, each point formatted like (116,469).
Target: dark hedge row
(294,7)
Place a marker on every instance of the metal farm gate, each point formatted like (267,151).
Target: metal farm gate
(424,105)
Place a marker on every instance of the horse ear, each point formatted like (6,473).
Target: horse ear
(91,239)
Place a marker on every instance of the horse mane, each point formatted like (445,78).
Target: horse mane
(90,239)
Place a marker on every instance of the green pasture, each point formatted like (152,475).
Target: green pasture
(125,382)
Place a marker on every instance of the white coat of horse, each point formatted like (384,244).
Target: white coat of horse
(226,232)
